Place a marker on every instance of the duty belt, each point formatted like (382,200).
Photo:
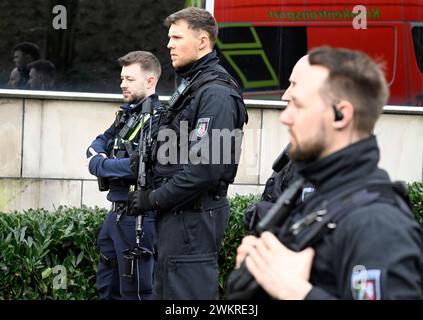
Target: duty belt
(206,201)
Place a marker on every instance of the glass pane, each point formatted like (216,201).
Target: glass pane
(84,38)
(261,64)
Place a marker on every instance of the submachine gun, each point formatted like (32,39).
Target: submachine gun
(145,140)
(309,230)
(241,285)
(128,126)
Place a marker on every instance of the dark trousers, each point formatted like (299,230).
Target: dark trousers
(188,244)
(110,282)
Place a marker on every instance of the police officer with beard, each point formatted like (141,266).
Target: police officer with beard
(355,237)
(108,159)
(193,171)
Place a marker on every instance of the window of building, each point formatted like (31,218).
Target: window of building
(84,38)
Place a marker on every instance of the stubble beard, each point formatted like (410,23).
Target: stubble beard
(133,98)
(307,151)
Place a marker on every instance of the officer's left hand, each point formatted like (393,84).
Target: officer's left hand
(283,273)
(139,202)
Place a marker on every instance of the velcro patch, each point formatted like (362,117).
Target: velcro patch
(365,284)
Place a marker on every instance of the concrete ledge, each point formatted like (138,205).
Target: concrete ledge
(92,197)
(43,143)
(24,194)
(11,130)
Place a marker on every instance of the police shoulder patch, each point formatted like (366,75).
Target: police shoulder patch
(365,284)
(202,127)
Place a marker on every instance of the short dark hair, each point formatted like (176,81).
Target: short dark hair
(197,19)
(29,48)
(355,77)
(44,66)
(147,61)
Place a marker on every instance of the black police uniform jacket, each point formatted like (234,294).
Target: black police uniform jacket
(193,210)
(283,176)
(212,107)
(375,251)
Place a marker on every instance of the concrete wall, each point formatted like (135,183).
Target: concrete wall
(43,143)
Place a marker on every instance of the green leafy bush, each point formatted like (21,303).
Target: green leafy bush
(39,248)
(43,253)
(415,190)
(233,236)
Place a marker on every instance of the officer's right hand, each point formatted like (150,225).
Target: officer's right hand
(250,217)
(93,154)
(247,245)
(281,272)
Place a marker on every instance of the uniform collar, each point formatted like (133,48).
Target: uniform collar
(131,106)
(209,61)
(353,162)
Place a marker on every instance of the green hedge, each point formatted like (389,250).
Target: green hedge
(416,196)
(233,236)
(37,248)
(36,244)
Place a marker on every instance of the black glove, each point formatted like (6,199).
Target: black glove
(255,213)
(139,202)
(250,217)
(134,162)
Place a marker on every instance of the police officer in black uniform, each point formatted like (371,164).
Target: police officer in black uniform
(355,237)
(207,115)
(108,159)
(284,173)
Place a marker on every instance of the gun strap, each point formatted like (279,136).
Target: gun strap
(138,127)
(281,161)
(310,229)
(120,209)
(197,81)
(127,142)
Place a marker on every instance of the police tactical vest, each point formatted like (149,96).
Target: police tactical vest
(309,229)
(180,110)
(128,126)
(182,96)
(327,213)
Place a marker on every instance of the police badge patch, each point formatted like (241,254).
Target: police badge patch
(202,127)
(365,284)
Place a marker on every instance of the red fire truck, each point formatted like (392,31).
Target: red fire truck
(261,40)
